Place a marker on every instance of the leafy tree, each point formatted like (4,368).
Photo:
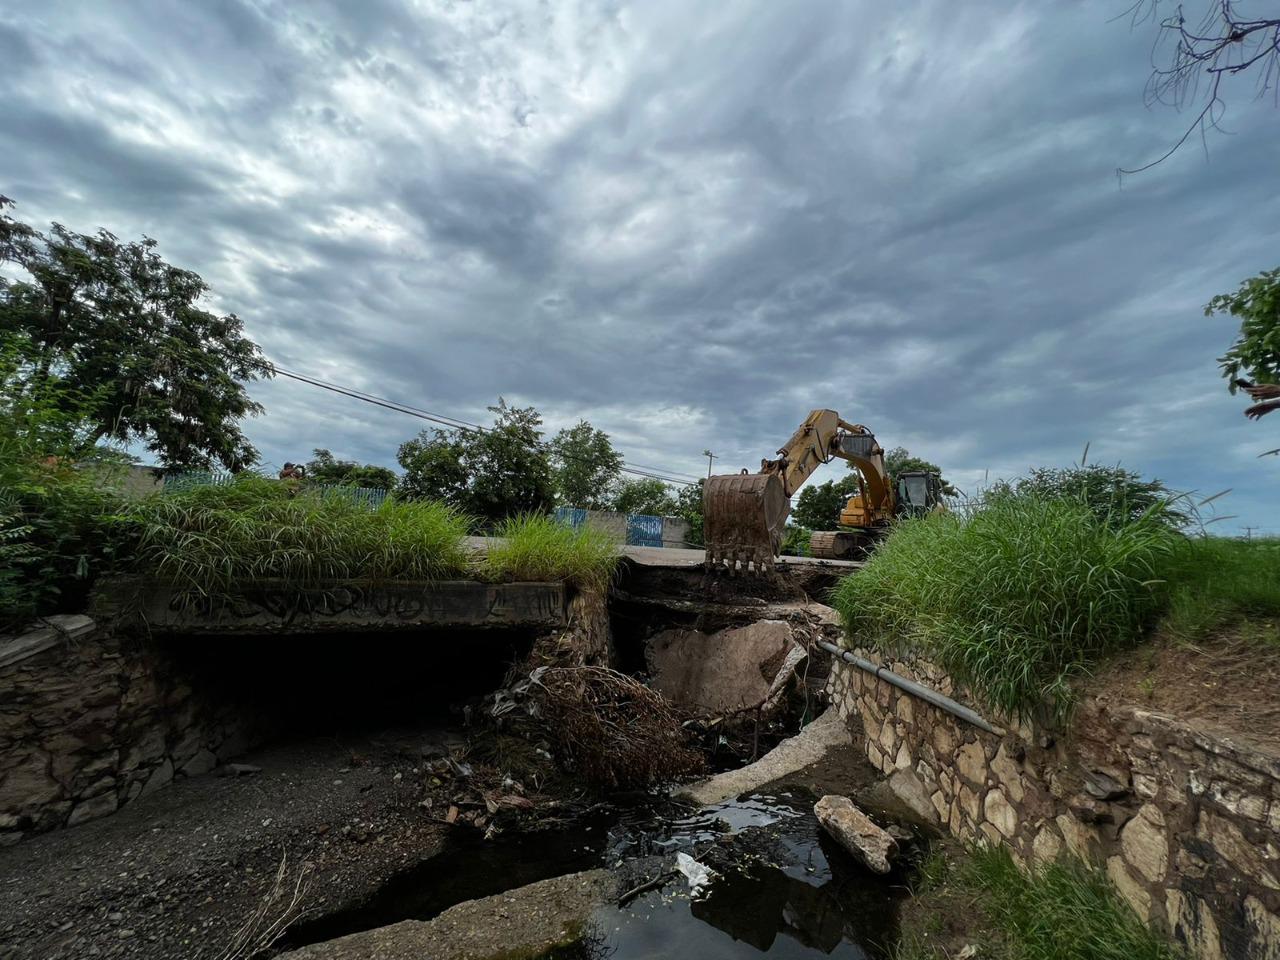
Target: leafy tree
(644,495)
(819,504)
(434,469)
(126,328)
(502,472)
(899,461)
(689,507)
(57,511)
(509,468)
(324,468)
(1114,494)
(585,466)
(1256,351)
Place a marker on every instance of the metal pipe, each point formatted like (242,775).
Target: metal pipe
(927,694)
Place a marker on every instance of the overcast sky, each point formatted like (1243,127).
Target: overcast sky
(687,223)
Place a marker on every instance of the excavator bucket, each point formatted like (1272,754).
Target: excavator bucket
(743,517)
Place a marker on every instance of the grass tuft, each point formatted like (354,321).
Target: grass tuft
(533,547)
(1219,583)
(1015,601)
(1066,910)
(214,539)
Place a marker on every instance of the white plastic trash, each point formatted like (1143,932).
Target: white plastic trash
(698,875)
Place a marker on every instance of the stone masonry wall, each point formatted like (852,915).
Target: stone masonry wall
(1186,824)
(90,721)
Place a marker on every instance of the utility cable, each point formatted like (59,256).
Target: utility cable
(460,426)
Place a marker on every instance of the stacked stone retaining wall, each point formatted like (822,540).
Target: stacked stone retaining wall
(1185,822)
(90,721)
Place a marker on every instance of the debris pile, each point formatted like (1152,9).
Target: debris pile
(604,725)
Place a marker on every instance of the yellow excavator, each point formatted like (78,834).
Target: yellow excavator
(744,515)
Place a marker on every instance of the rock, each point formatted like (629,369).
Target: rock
(1047,846)
(728,670)
(1081,840)
(971,762)
(1192,922)
(1007,773)
(203,761)
(911,791)
(159,777)
(98,806)
(856,832)
(1000,813)
(243,770)
(1264,927)
(1103,786)
(1145,845)
(1130,889)
(27,787)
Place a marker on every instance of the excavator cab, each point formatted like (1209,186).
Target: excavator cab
(919,492)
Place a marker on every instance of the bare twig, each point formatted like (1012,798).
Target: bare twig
(283,901)
(1193,61)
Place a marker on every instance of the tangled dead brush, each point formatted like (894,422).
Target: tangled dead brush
(604,725)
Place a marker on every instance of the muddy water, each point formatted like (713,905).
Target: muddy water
(780,887)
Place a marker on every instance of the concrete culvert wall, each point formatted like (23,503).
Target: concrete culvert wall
(93,719)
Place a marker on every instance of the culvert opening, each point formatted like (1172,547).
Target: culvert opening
(298,685)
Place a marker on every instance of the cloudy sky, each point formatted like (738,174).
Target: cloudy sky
(687,223)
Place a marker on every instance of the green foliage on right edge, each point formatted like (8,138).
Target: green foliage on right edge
(1066,910)
(1016,600)
(1256,351)
(1116,495)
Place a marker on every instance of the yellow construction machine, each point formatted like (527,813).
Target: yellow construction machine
(744,515)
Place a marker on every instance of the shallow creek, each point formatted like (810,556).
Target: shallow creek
(780,885)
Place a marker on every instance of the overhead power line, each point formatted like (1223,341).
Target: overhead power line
(460,426)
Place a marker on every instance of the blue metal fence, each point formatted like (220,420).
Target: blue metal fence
(643,530)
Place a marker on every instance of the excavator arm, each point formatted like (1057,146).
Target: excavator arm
(744,514)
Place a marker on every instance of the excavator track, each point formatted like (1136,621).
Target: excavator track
(840,544)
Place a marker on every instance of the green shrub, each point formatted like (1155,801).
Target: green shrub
(1116,495)
(1217,583)
(213,539)
(795,541)
(1065,910)
(1014,601)
(534,547)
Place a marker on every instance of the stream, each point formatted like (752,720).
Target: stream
(780,886)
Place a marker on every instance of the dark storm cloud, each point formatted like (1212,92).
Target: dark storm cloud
(688,227)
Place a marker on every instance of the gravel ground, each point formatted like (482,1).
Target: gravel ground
(176,874)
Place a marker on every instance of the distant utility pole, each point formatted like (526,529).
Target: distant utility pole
(1248,532)
(710,456)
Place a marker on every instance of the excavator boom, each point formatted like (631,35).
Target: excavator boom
(744,514)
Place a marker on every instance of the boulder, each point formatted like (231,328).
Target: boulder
(734,669)
(856,832)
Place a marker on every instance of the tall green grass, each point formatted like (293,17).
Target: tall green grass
(215,539)
(1218,583)
(1066,910)
(1016,600)
(533,547)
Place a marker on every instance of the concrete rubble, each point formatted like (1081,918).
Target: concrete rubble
(856,832)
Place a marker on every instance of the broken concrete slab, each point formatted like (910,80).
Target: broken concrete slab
(525,922)
(723,672)
(795,753)
(856,832)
